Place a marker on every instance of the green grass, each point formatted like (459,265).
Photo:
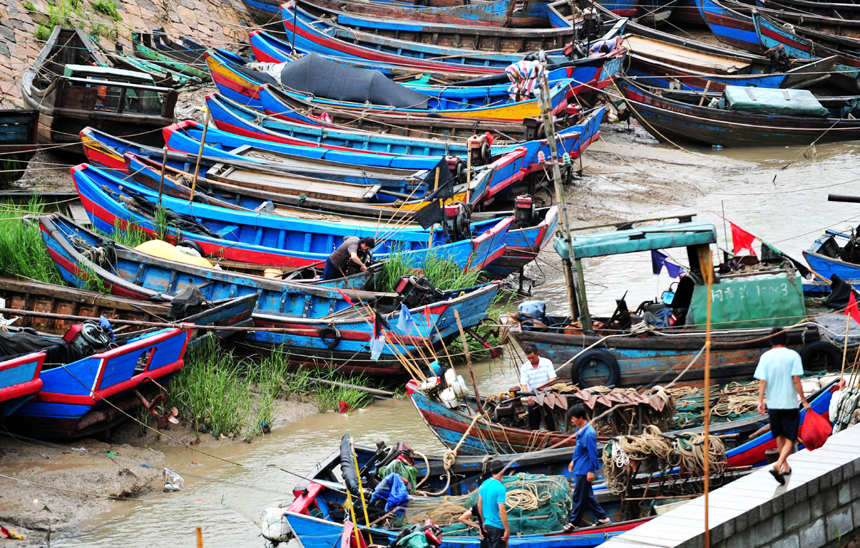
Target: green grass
(22,251)
(328,397)
(442,273)
(107,7)
(131,236)
(162,225)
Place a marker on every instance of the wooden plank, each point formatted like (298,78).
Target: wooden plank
(79,214)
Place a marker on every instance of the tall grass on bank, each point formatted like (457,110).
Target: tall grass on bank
(22,251)
(443,273)
(328,397)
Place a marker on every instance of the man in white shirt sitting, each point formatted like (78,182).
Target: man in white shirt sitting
(536,372)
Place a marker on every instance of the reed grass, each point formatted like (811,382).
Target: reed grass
(443,273)
(130,236)
(22,250)
(328,397)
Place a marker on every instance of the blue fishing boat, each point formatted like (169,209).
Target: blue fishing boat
(256,238)
(19,381)
(73,398)
(731,27)
(806,44)
(828,258)
(318,326)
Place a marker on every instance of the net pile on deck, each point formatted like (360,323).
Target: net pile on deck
(535,503)
(625,456)
(733,401)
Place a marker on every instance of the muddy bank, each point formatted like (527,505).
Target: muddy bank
(57,486)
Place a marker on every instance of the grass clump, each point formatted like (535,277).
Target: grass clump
(107,7)
(130,236)
(22,251)
(443,273)
(329,396)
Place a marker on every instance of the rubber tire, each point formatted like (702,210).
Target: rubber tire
(595,354)
(335,337)
(830,351)
(486,154)
(193,245)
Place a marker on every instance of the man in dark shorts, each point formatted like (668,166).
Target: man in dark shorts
(491,508)
(778,372)
(338,261)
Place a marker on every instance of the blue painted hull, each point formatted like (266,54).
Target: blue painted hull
(19,381)
(297,315)
(828,266)
(254,238)
(730,27)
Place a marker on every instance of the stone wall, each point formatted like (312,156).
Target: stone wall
(219,23)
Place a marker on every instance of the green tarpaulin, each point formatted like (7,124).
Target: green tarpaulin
(788,102)
(757,300)
(616,242)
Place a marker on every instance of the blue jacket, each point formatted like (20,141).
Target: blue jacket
(585,458)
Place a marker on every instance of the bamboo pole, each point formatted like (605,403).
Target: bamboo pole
(706,265)
(845,345)
(468,357)
(199,156)
(161,183)
(199,537)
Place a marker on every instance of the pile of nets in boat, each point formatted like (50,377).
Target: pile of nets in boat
(535,503)
(730,402)
(652,452)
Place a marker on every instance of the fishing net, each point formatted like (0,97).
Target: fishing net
(731,402)
(535,503)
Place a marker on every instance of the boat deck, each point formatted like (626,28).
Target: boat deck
(704,62)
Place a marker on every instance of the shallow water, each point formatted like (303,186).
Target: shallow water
(226,499)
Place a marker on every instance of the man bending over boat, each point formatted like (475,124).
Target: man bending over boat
(584,466)
(352,249)
(778,373)
(536,372)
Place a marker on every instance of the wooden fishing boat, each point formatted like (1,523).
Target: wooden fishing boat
(687,121)
(660,64)
(687,13)
(72,401)
(846,27)
(828,258)
(163,76)
(107,151)
(267,13)
(631,360)
(63,306)
(71,86)
(19,382)
(531,232)
(808,44)
(847,11)
(731,27)
(257,238)
(489,105)
(144,47)
(490,13)
(318,326)
(490,437)
(654,12)
(18,134)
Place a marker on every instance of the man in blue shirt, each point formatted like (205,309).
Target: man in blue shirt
(778,372)
(491,508)
(584,467)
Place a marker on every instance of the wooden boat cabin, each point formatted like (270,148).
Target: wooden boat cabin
(72,86)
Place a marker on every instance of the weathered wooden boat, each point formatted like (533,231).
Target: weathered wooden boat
(71,86)
(144,47)
(491,437)
(687,13)
(664,65)
(267,13)
(422,45)
(317,325)
(490,13)
(654,12)
(488,104)
(808,44)
(63,306)
(18,134)
(530,232)
(848,11)
(19,381)
(72,401)
(257,238)
(107,151)
(686,121)
(847,27)
(731,27)
(828,258)
(163,76)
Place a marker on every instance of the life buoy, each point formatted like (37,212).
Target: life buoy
(596,357)
(330,336)
(820,356)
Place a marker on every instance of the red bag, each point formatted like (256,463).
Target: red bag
(815,430)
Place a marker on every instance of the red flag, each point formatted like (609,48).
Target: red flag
(347,299)
(852,309)
(741,239)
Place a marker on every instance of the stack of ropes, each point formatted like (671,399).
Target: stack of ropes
(623,455)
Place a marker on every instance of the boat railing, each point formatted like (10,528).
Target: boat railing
(124,98)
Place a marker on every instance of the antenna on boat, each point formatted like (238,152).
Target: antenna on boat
(572,265)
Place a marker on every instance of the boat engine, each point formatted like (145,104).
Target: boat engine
(524,211)
(87,339)
(459,218)
(591,23)
(418,291)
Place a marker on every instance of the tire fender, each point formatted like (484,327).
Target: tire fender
(330,336)
(828,349)
(595,354)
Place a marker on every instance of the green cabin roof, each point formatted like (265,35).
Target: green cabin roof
(617,242)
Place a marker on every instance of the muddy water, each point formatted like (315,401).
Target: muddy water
(226,500)
(786,207)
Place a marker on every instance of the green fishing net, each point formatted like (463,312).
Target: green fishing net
(535,504)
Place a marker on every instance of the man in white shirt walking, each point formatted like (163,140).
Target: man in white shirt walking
(536,372)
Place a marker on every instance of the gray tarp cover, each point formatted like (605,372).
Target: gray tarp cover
(323,78)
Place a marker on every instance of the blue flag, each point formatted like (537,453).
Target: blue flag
(405,323)
(659,260)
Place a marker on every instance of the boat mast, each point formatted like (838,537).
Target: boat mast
(572,265)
